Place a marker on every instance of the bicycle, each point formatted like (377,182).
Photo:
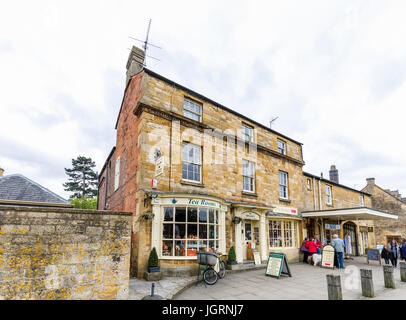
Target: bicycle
(210,261)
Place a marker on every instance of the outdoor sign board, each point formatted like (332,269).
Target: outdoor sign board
(277,265)
(333,226)
(257,258)
(373,254)
(286,210)
(327,257)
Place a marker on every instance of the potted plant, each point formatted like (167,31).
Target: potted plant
(153,265)
(231,256)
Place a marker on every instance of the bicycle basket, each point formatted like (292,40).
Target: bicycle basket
(206,258)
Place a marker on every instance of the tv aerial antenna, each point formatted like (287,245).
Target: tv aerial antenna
(270,122)
(146,43)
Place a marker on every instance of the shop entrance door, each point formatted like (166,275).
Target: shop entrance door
(250,237)
(349,228)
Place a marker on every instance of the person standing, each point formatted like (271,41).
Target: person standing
(305,251)
(385,255)
(312,246)
(316,241)
(394,248)
(338,245)
(403,250)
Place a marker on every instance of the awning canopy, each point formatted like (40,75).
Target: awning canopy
(361,213)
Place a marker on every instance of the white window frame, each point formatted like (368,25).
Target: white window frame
(248,175)
(217,225)
(361,200)
(247,133)
(329,197)
(186,110)
(282,231)
(117,174)
(282,147)
(199,164)
(282,185)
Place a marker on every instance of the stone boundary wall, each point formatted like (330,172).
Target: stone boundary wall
(53,253)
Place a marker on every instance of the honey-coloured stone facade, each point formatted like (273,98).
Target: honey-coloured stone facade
(63,254)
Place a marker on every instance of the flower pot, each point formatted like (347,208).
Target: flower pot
(153,269)
(231,262)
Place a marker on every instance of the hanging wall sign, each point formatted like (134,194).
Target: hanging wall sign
(159,166)
(277,265)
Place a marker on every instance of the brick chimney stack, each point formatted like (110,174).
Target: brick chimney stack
(333,174)
(1,172)
(135,62)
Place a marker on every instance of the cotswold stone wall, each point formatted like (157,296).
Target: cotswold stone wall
(50,253)
(381,200)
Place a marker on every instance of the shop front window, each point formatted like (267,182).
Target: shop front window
(283,234)
(288,234)
(186,230)
(275,234)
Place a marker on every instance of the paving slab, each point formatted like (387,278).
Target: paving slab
(307,282)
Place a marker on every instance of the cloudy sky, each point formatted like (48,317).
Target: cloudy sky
(333,72)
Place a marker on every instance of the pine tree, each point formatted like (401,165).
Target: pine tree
(82,179)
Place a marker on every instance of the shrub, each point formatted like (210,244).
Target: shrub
(84,203)
(153,258)
(231,255)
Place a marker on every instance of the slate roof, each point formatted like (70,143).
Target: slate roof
(16,187)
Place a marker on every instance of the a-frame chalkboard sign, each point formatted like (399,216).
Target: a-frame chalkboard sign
(277,265)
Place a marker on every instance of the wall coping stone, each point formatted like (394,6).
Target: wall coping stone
(62,210)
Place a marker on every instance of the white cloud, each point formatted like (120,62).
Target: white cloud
(333,72)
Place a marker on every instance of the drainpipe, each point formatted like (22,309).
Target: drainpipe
(314,193)
(320,205)
(107,181)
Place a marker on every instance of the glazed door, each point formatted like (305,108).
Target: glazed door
(247,236)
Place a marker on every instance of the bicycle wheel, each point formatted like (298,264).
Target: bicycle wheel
(210,276)
(222,267)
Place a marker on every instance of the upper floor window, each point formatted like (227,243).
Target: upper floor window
(117,174)
(329,199)
(192,110)
(281,146)
(283,185)
(361,200)
(248,175)
(191,162)
(248,133)
(309,184)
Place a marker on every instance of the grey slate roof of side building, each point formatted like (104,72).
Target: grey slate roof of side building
(16,187)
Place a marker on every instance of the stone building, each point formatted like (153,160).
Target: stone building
(330,207)
(198,175)
(386,200)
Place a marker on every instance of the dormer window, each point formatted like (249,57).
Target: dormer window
(192,110)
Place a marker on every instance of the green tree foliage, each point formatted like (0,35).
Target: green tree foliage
(84,203)
(231,255)
(153,258)
(82,179)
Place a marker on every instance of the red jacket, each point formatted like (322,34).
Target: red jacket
(312,246)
